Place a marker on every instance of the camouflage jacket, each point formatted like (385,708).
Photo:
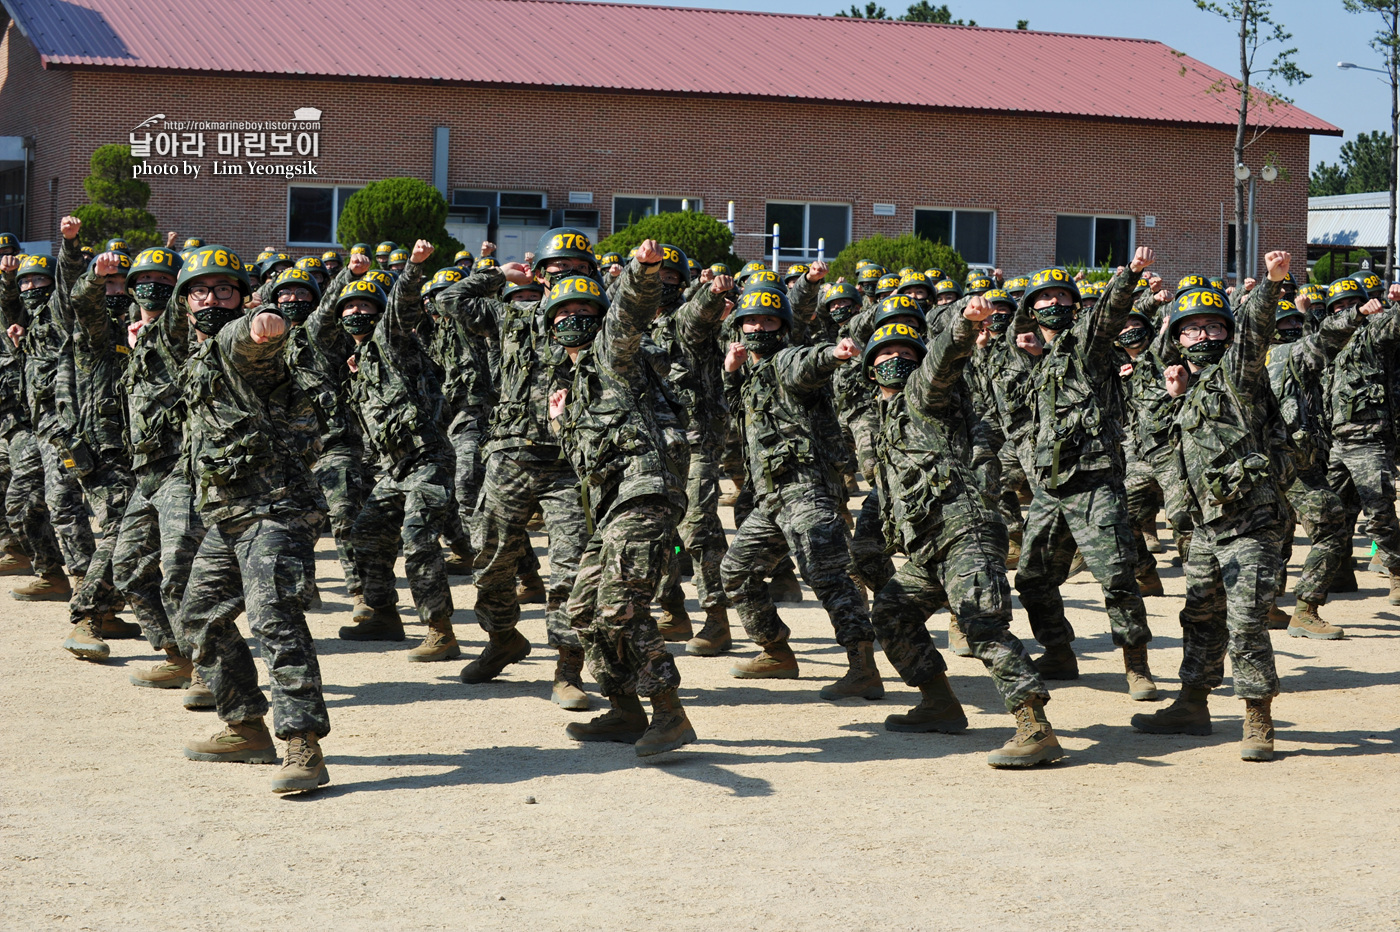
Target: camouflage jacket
(96,408)
(154,388)
(395,389)
(253,433)
(46,345)
(1220,431)
(464,360)
(609,427)
(1359,381)
(688,337)
(1075,390)
(923,449)
(316,353)
(1296,375)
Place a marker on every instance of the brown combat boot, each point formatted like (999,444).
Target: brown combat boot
(1149,583)
(174,673)
(440,644)
(957,637)
(531,590)
(383,624)
(674,623)
(1258,741)
(1057,663)
(199,696)
(246,742)
(1153,542)
(536,521)
(784,589)
(303,765)
(776,662)
(938,710)
(1306,624)
(359,608)
(503,648)
(862,677)
(15,564)
(1141,687)
(113,628)
(51,587)
(714,638)
(1034,741)
(457,564)
(669,729)
(1279,620)
(84,642)
(1188,715)
(624,723)
(1013,554)
(568,691)
(727,499)
(1394,597)
(1076,565)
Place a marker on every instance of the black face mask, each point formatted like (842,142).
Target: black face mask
(211,320)
(1134,336)
(867,289)
(893,373)
(359,324)
(295,311)
(1206,352)
(576,329)
(764,342)
(117,304)
(842,314)
(1057,317)
(1288,335)
(35,298)
(153,295)
(924,304)
(670,295)
(998,323)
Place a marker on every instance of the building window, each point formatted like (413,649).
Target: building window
(970,232)
(1094,241)
(313,214)
(801,226)
(629,208)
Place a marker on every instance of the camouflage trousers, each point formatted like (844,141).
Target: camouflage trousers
(1324,520)
(967,571)
(108,489)
(610,606)
(802,520)
(340,472)
(871,566)
(159,536)
(1008,495)
(467,433)
(1363,476)
(1152,485)
(510,492)
(1091,512)
(255,564)
(413,510)
(25,510)
(744,505)
(1230,586)
(11,538)
(701,532)
(67,510)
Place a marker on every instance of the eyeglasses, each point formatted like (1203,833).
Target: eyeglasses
(221,292)
(1214,331)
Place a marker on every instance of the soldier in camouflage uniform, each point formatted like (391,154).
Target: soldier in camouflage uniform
(1237,509)
(525,469)
(1144,446)
(93,414)
(1298,366)
(935,512)
(1361,467)
(602,407)
(252,435)
(44,343)
(797,486)
(688,334)
(396,396)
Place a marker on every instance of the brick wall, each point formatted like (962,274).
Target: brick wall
(1027,169)
(38,103)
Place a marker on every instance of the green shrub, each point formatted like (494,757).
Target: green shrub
(700,236)
(895,254)
(1333,266)
(403,210)
(117,205)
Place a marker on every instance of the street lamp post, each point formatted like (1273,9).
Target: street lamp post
(1390,73)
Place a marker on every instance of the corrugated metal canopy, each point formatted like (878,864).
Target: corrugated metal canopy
(600,46)
(1356,220)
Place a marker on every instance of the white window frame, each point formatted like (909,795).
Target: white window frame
(807,252)
(336,207)
(953,232)
(697,204)
(1093,245)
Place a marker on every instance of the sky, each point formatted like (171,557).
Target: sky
(1323,32)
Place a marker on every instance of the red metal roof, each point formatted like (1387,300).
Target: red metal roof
(604,46)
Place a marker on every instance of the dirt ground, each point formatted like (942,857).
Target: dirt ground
(455,807)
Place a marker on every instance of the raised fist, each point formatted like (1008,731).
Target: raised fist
(649,253)
(1143,257)
(421,251)
(1278,263)
(70,226)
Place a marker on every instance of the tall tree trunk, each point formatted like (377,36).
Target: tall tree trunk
(1394,138)
(1242,232)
